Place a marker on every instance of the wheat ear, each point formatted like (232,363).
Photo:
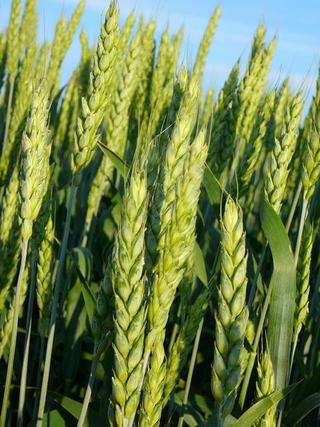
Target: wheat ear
(129,291)
(265,385)
(93,107)
(232,313)
(175,245)
(278,169)
(117,128)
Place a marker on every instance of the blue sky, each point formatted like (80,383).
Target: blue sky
(295,22)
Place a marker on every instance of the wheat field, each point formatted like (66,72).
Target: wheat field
(159,243)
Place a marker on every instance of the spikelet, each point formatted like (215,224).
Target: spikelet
(207,110)
(162,83)
(29,24)
(252,156)
(205,43)
(3,55)
(6,330)
(68,104)
(129,292)
(93,108)
(70,107)
(311,159)
(179,88)
(265,385)
(278,168)
(10,236)
(36,149)
(45,269)
(41,62)
(141,98)
(23,97)
(177,356)
(55,53)
(311,164)
(160,143)
(251,88)
(117,122)
(152,401)
(125,34)
(281,103)
(72,26)
(158,77)
(303,279)
(258,40)
(60,45)
(13,46)
(171,62)
(102,320)
(117,128)
(224,123)
(176,155)
(175,245)
(231,314)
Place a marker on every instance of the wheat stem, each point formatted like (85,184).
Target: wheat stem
(87,396)
(24,373)
(252,356)
(5,401)
(294,206)
(52,325)
(304,211)
(191,369)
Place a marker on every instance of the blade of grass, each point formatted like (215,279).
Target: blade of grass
(299,412)
(280,321)
(283,281)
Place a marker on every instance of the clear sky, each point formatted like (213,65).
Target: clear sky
(296,24)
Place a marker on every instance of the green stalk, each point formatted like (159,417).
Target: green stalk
(52,325)
(175,328)
(146,357)
(252,356)
(23,382)
(38,380)
(234,164)
(303,215)
(294,206)
(219,422)
(87,397)
(191,369)
(256,276)
(5,401)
